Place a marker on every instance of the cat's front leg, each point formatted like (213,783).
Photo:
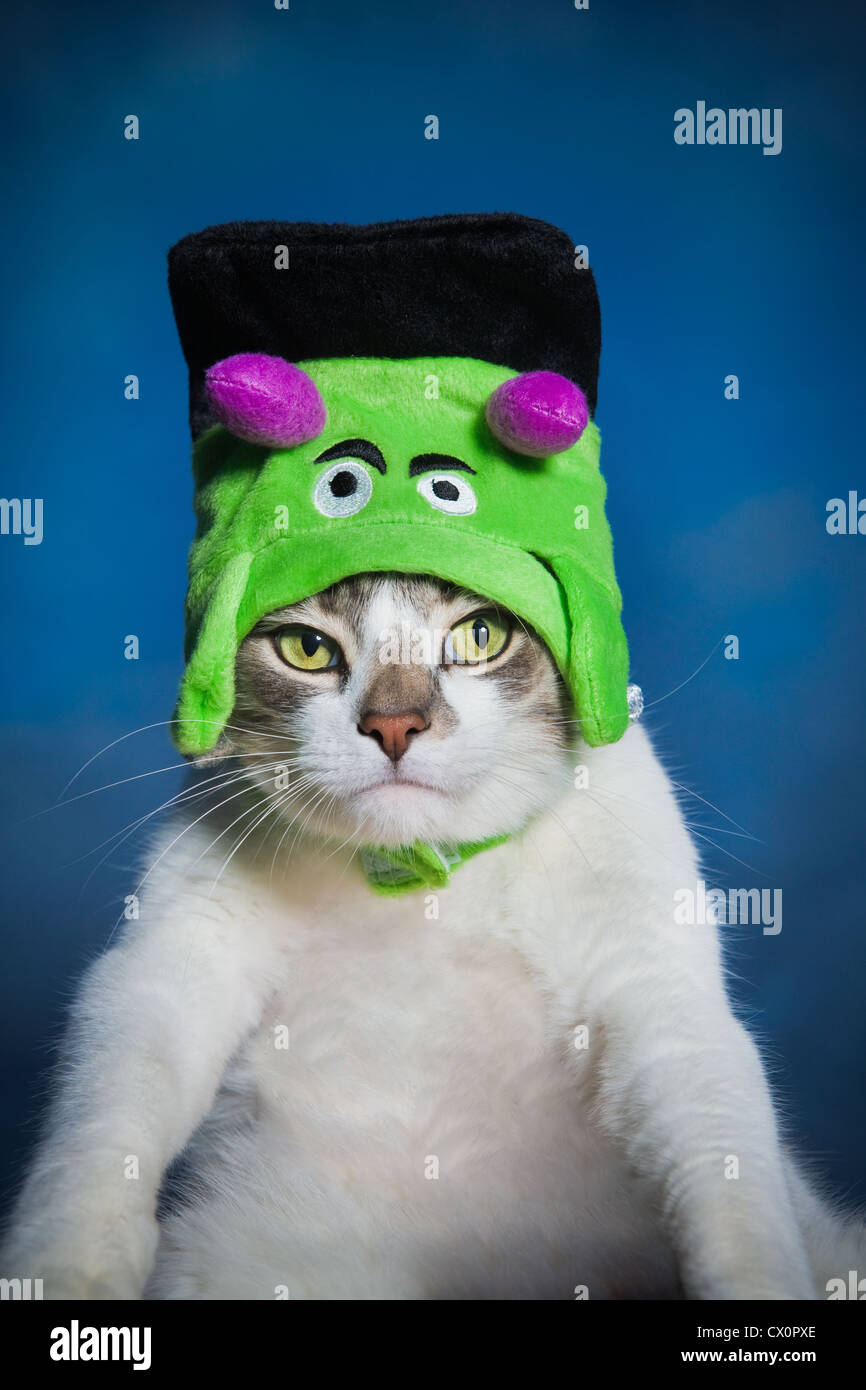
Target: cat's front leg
(683,1092)
(153,1027)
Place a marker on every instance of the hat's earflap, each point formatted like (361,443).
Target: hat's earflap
(207,692)
(598,654)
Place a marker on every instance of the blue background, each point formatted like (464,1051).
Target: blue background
(709,261)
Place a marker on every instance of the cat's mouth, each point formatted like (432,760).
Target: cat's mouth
(398,783)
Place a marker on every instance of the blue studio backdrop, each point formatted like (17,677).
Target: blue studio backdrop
(713,261)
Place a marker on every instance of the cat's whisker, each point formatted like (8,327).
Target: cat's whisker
(282,794)
(721,849)
(722,830)
(186,794)
(285,795)
(325,816)
(630,828)
(300,811)
(269,810)
(739,832)
(145,728)
(109,786)
(680,786)
(184,797)
(651,703)
(169,847)
(260,799)
(276,852)
(310,783)
(347,840)
(159,724)
(135,777)
(308,808)
(569,835)
(717,829)
(358,829)
(277,822)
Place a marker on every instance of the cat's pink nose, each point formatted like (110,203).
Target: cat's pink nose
(393,731)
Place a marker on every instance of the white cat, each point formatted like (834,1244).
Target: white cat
(529,1084)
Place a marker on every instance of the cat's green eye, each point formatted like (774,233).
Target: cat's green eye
(478,638)
(307,649)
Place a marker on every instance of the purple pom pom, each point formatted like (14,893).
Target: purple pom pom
(538,413)
(265,400)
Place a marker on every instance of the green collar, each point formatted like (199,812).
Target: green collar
(404,870)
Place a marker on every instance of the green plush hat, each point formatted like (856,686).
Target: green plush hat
(413,397)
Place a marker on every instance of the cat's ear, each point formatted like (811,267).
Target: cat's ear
(538,413)
(265,400)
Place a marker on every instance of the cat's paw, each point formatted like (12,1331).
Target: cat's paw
(114,1266)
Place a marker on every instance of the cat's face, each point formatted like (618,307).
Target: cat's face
(399,709)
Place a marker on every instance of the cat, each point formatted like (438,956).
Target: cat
(528,1084)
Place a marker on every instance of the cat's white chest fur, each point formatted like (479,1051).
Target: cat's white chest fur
(415,1113)
(415,1129)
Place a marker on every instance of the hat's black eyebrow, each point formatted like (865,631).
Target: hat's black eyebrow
(354,449)
(429,463)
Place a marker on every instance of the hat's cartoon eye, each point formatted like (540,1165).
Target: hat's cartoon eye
(448,492)
(344,489)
